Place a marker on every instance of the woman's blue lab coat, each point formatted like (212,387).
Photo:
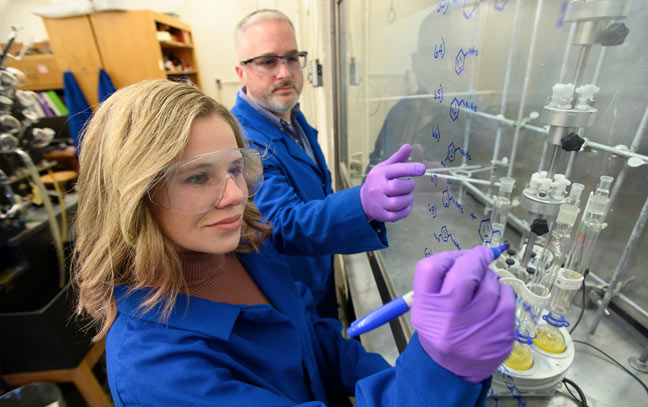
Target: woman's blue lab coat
(215,354)
(309,221)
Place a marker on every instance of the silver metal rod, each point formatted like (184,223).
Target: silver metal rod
(525,87)
(627,252)
(466,179)
(570,163)
(545,147)
(432,171)
(528,250)
(563,66)
(599,65)
(613,150)
(466,142)
(644,355)
(633,147)
(580,65)
(505,89)
(429,95)
(554,158)
(51,216)
(636,309)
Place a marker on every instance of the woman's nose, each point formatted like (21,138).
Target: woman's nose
(233,194)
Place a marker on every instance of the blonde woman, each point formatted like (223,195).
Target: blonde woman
(172,268)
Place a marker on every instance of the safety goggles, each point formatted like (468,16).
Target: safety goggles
(269,64)
(197,184)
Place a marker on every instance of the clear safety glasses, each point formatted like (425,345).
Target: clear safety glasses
(196,184)
(269,64)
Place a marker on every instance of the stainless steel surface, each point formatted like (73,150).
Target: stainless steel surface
(628,251)
(365,298)
(593,10)
(568,118)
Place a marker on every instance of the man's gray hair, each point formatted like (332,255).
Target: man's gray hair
(256,17)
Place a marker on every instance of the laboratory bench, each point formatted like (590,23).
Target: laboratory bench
(377,277)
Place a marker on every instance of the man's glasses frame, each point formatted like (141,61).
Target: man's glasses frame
(275,62)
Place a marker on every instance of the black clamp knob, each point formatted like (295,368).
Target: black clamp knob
(539,226)
(614,34)
(572,142)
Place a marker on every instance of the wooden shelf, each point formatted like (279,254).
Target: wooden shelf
(187,72)
(174,44)
(124,44)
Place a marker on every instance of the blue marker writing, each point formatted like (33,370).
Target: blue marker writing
(395,308)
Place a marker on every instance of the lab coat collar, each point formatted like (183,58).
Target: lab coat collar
(251,118)
(272,277)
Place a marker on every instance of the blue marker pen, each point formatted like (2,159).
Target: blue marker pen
(395,308)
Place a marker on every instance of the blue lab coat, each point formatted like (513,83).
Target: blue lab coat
(216,354)
(310,222)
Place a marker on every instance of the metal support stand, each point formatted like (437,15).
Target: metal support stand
(640,363)
(627,253)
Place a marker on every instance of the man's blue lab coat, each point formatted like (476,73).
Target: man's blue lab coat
(309,222)
(216,354)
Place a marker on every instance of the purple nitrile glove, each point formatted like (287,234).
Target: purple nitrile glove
(464,317)
(384,196)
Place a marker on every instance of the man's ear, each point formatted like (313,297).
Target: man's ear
(240,74)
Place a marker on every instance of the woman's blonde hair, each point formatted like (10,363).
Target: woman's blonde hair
(130,139)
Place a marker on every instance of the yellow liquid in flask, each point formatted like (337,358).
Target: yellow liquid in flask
(520,358)
(549,339)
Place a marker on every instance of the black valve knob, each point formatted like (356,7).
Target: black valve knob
(539,226)
(510,261)
(572,142)
(530,270)
(614,34)
(511,252)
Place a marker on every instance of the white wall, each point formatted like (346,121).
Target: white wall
(213,23)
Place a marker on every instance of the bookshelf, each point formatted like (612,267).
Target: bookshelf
(130,46)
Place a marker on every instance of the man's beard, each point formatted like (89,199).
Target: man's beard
(271,103)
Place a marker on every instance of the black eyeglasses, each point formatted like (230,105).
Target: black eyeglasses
(269,64)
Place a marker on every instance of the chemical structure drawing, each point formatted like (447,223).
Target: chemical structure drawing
(432,209)
(452,154)
(500,4)
(487,234)
(434,179)
(442,6)
(460,60)
(469,7)
(472,215)
(438,93)
(427,252)
(485,231)
(436,134)
(456,105)
(447,199)
(446,236)
(440,50)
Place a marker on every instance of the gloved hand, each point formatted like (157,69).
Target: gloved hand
(384,196)
(464,317)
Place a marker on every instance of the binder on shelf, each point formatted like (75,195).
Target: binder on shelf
(51,104)
(60,106)
(44,104)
